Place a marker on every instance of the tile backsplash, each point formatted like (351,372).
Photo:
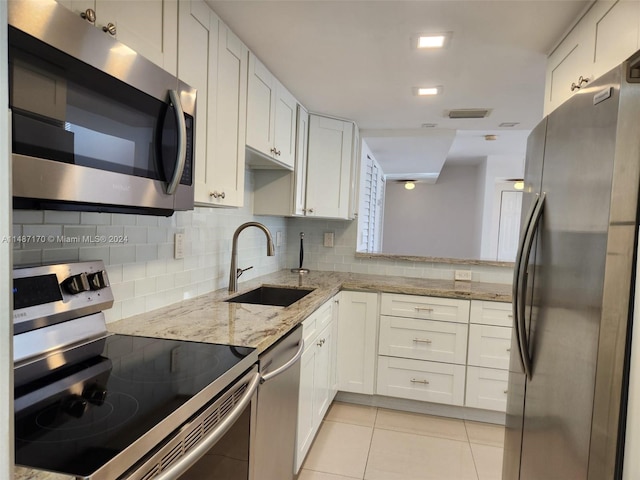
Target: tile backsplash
(138,250)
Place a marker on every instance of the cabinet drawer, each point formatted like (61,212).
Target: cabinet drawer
(318,320)
(487,388)
(431,308)
(491,313)
(489,346)
(423,339)
(421,380)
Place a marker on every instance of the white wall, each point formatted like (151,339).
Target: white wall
(143,273)
(6,330)
(437,220)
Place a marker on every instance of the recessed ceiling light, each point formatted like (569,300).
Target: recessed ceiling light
(429,125)
(409,185)
(424,91)
(509,124)
(431,40)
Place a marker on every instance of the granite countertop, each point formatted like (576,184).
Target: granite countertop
(208,318)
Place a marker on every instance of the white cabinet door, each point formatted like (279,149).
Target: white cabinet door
(231,105)
(305,432)
(357,325)
(197,63)
(302,138)
(150,27)
(429,308)
(487,388)
(489,346)
(261,97)
(329,167)
(322,381)
(285,126)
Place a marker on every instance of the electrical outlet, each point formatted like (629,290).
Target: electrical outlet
(178,246)
(462,275)
(328,239)
(278,239)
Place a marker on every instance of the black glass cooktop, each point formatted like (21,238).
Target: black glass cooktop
(78,417)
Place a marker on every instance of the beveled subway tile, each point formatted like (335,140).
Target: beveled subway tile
(406,456)
(485,433)
(420,424)
(351,413)
(340,449)
(488,461)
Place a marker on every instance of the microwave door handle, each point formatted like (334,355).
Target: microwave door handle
(193,455)
(528,243)
(181,156)
(516,277)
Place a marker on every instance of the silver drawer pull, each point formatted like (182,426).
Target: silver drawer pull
(506,391)
(422,340)
(424,309)
(508,349)
(510,315)
(425,382)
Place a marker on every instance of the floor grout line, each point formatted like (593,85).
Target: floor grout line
(373,432)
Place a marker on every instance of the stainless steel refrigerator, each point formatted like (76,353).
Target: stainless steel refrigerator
(573,286)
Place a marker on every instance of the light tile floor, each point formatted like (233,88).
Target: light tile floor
(359,442)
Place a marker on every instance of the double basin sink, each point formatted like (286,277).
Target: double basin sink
(272,296)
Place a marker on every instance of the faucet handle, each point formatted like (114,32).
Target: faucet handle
(240,271)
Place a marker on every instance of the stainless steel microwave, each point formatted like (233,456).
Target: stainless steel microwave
(95,126)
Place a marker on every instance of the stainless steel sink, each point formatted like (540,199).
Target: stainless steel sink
(274,296)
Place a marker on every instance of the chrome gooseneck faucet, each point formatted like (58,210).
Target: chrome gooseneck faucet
(234,271)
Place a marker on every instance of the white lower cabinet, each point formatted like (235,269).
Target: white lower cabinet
(317,377)
(489,355)
(357,325)
(421,380)
(487,388)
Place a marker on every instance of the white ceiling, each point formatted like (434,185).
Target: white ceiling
(354,59)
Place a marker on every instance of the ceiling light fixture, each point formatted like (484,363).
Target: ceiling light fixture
(518,185)
(428,41)
(427,91)
(490,138)
(409,185)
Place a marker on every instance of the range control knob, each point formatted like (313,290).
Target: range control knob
(98,280)
(75,405)
(76,284)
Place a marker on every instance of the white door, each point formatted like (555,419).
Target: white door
(508,228)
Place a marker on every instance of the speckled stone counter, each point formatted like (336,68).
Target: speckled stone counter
(208,318)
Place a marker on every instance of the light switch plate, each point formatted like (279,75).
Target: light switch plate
(462,275)
(278,239)
(328,239)
(178,246)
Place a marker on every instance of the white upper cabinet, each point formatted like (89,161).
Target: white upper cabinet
(214,61)
(302,144)
(150,27)
(605,36)
(329,167)
(271,119)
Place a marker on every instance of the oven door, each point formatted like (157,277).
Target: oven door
(216,443)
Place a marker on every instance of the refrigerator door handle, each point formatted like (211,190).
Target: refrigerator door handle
(522,283)
(516,276)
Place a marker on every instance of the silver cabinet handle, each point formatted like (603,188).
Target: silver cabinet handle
(321,342)
(277,152)
(424,382)
(422,340)
(89,15)
(286,366)
(526,248)
(109,28)
(423,309)
(506,391)
(216,194)
(578,86)
(212,438)
(181,156)
(310,210)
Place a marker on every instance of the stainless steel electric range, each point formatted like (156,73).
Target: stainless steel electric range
(105,407)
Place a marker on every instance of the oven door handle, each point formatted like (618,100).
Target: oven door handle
(182,465)
(181,156)
(286,366)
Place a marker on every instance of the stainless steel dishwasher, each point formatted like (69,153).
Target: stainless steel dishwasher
(276,419)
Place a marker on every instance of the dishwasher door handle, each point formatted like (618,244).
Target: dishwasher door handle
(212,438)
(286,366)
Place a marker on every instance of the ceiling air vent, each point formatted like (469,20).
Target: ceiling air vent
(469,113)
